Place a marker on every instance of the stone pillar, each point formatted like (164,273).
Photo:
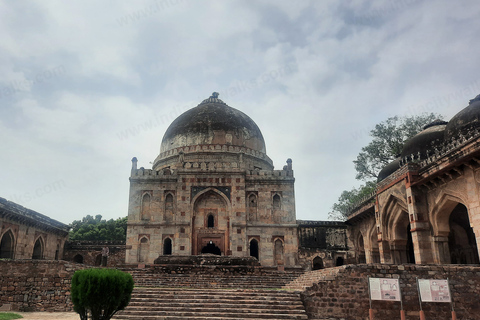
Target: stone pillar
(399,251)
(441,252)
(419,226)
(385,254)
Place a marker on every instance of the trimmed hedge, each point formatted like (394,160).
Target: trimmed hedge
(102,292)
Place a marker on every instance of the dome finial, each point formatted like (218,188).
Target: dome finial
(477,98)
(215,95)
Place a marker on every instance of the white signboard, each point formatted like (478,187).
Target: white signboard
(384,289)
(434,290)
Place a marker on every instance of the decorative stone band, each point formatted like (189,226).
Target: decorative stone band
(252,174)
(213,148)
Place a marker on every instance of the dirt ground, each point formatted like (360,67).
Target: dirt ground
(49,315)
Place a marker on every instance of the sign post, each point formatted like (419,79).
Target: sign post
(434,290)
(384,289)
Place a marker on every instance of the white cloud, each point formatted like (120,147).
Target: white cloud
(315,76)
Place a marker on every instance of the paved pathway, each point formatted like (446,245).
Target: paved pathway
(49,315)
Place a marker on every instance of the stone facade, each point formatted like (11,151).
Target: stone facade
(212,189)
(90,253)
(426,208)
(323,244)
(27,234)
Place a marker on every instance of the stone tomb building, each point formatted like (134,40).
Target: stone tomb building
(212,189)
(426,208)
(27,234)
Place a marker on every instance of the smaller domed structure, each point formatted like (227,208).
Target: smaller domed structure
(388,169)
(425,141)
(466,120)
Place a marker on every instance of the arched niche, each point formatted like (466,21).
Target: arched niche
(7,244)
(38,249)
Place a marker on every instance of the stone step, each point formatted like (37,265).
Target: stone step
(293,305)
(212,304)
(149,315)
(217,309)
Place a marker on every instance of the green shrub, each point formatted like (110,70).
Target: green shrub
(103,292)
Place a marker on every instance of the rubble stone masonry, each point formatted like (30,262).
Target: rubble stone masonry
(36,285)
(345,294)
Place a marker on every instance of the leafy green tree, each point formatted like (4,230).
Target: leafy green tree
(347,199)
(102,292)
(388,138)
(96,228)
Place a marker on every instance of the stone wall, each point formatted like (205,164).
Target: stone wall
(36,285)
(345,296)
(91,252)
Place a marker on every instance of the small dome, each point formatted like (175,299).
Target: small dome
(432,135)
(388,169)
(464,121)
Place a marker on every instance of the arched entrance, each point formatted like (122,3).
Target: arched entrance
(211,248)
(6,246)
(361,250)
(167,246)
(461,239)
(254,248)
(38,249)
(210,223)
(401,245)
(317,263)
(78,258)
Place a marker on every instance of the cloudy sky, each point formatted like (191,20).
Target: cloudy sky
(87,85)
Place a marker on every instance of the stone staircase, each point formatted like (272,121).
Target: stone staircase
(212,304)
(212,277)
(308,279)
(212,293)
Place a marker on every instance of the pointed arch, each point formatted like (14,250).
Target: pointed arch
(252,206)
(317,263)
(38,248)
(279,251)
(441,211)
(392,211)
(276,202)
(169,206)
(146,204)
(143,249)
(7,245)
(213,190)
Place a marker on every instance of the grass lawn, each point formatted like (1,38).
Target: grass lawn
(9,315)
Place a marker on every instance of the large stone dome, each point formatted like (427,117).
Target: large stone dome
(466,120)
(213,126)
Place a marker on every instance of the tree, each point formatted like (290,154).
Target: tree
(389,137)
(347,199)
(96,228)
(102,292)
